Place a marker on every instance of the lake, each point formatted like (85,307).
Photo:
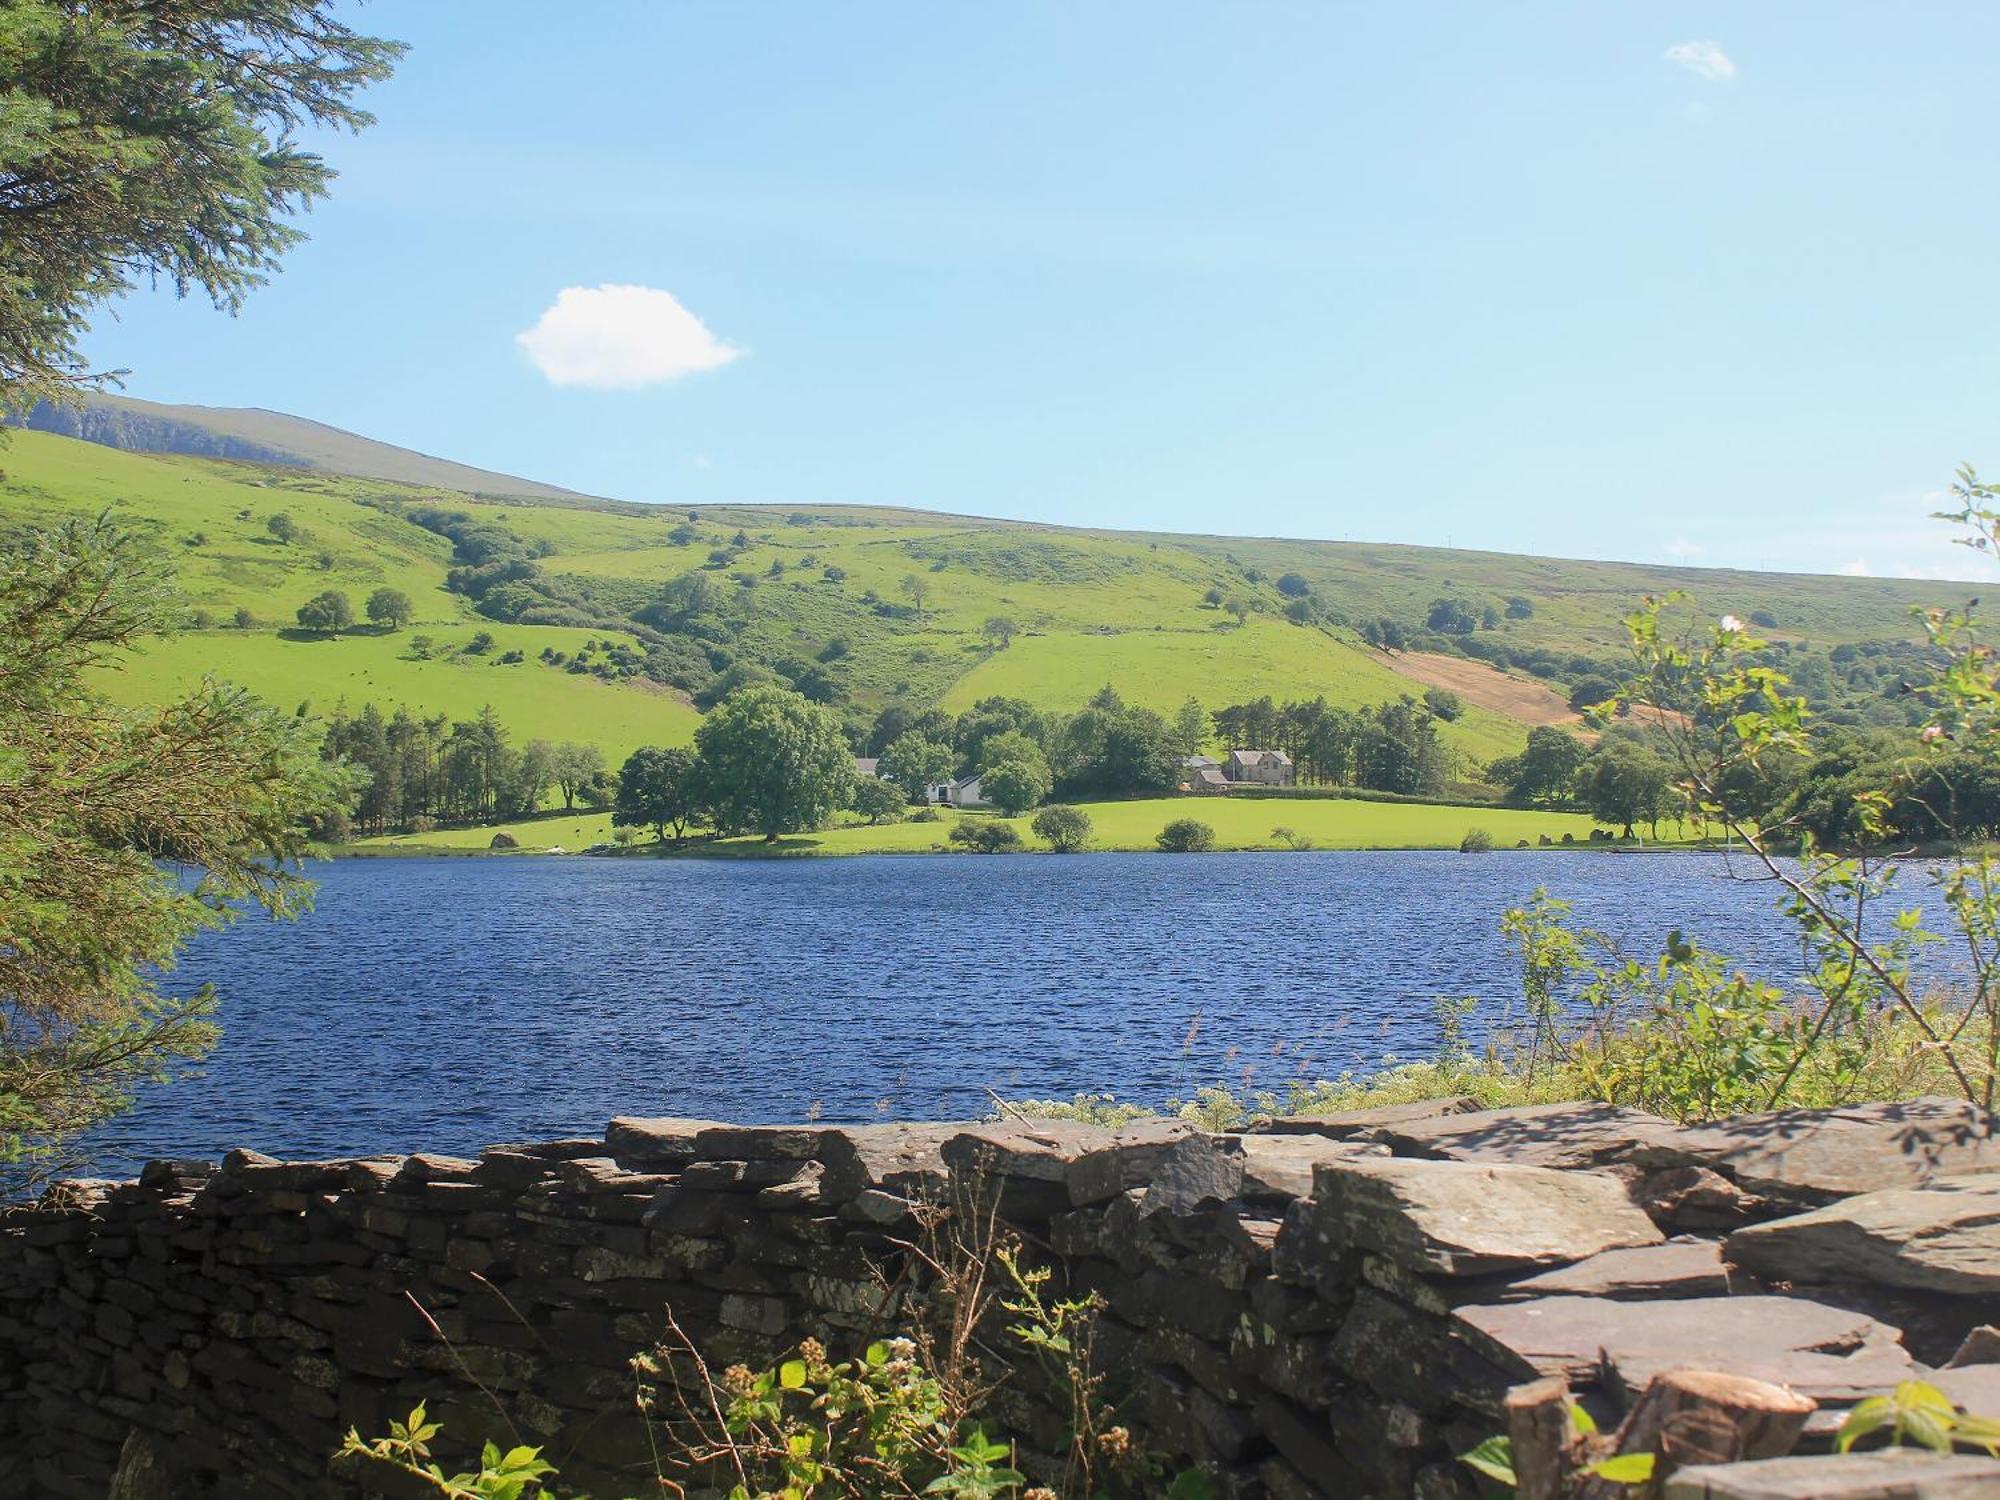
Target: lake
(445,1004)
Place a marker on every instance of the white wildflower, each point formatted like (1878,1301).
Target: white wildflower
(1731,625)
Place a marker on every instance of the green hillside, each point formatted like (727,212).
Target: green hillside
(259,436)
(867,607)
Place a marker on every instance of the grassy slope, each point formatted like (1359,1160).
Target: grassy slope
(533,700)
(1238,824)
(1093,607)
(329,448)
(239,564)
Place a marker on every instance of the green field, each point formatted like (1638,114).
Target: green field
(1244,823)
(532,700)
(832,585)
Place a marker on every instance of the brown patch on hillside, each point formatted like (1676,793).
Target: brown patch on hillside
(1525,699)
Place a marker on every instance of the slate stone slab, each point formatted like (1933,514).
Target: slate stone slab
(1354,1123)
(760,1142)
(1891,1474)
(1279,1168)
(1696,1199)
(1679,1268)
(1831,1354)
(649,1144)
(1944,1237)
(907,1160)
(1461,1219)
(1032,1150)
(1193,1173)
(1569,1136)
(1818,1155)
(1128,1160)
(1974,1388)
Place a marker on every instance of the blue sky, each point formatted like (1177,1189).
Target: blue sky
(1709,283)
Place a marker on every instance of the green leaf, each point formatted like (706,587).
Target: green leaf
(878,1353)
(1582,1421)
(792,1374)
(1494,1458)
(1625,1468)
(1868,1416)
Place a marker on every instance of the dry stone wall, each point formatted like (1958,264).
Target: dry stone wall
(1333,1306)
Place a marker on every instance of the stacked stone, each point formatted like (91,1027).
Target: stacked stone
(1333,1306)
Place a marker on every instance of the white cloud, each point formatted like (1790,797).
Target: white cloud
(1704,60)
(1680,546)
(1856,569)
(620,338)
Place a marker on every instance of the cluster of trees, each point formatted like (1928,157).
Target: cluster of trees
(500,571)
(1623,779)
(330,611)
(422,770)
(1024,755)
(1393,747)
(767,760)
(1932,797)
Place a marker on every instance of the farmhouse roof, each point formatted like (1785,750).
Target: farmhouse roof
(866,765)
(1259,758)
(1196,762)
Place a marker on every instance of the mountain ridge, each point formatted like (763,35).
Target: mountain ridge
(260,434)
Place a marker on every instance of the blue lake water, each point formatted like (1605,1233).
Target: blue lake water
(445,1004)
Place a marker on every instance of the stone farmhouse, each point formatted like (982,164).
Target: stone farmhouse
(1203,776)
(1264,767)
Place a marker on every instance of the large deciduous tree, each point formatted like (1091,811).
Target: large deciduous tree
(328,612)
(657,789)
(150,141)
(390,607)
(773,763)
(123,832)
(916,763)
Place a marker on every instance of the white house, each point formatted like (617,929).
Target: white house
(961,793)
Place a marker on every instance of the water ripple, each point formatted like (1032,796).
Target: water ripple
(450,1003)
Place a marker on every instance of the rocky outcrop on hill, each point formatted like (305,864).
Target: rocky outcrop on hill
(1333,1307)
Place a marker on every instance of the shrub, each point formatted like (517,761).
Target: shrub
(924,814)
(1186,836)
(878,801)
(1591,691)
(1476,841)
(1067,829)
(1290,838)
(986,836)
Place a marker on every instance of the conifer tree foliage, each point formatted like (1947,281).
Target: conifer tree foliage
(123,832)
(151,141)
